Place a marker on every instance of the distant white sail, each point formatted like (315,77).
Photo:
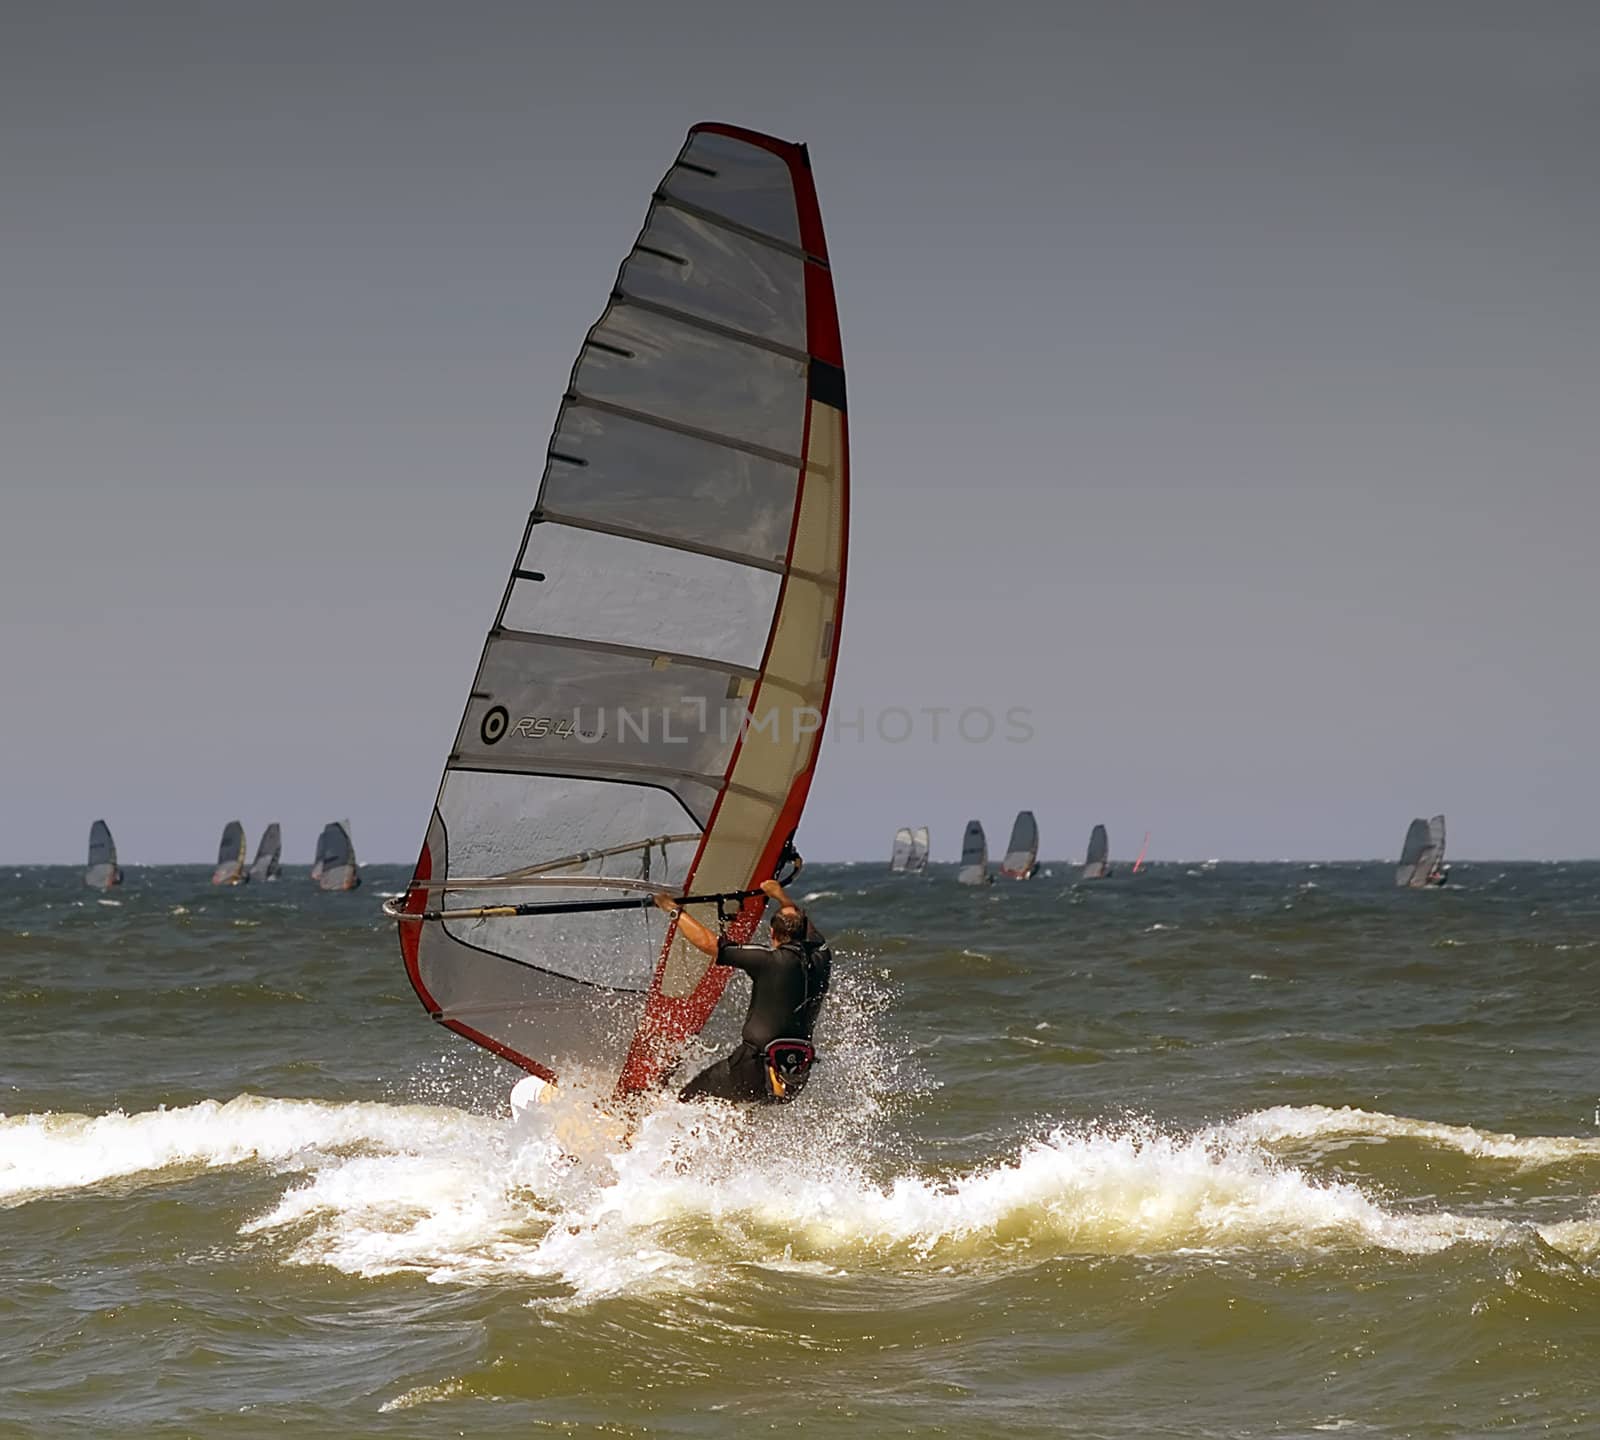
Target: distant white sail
(1422,855)
(335,866)
(231,856)
(900,856)
(102,872)
(1022,852)
(645,715)
(1096,865)
(974,856)
(917,860)
(268,855)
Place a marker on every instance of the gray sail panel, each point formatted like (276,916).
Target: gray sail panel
(697,268)
(485,817)
(611,470)
(231,855)
(1022,850)
(917,861)
(269,854)
(231,848)
(652,367)
(1096,859)
(102,871)
(974,855)
(618,591)
(1412,871)
(900,854)
(335,867)
(750,187)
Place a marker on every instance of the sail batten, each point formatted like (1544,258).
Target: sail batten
(627,532)
(652,693)
(652,653)
(692,432)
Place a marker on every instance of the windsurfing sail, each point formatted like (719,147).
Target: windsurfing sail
(1095,863)
(1416,855)
(900,856)
(647,710)
(231,856)
(102,872)
(917,861)
(269,853)
(1022,853)
(974,856)
(1138,863)
(335,866)
(1436,842)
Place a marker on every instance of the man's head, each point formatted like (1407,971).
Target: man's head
(786,926)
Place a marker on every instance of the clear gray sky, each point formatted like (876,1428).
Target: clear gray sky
(1224,384)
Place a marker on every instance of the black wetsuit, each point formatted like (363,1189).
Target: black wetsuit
(787,986)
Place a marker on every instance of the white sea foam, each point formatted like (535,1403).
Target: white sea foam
(52,1153)
(463,1198)
(1320,1122)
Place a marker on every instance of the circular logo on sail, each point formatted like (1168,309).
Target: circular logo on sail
(494,725)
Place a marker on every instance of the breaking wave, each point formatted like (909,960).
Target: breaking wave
(463,1198)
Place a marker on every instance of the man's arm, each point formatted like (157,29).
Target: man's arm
(774,891)
(688,927)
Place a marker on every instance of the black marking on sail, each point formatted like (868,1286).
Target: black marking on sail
(568,459)
(528,574)
(611,349)
(660,254)
(698,169)
(827,384)
(492,730)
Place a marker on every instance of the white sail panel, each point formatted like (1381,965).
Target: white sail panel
(918,859)
(900,853)
(630,592)
(646,711)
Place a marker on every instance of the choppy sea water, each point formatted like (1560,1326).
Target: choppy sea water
(1267,1150)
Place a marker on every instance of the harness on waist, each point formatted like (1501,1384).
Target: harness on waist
(786,1063)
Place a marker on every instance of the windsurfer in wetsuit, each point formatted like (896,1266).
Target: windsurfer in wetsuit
(787,984)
